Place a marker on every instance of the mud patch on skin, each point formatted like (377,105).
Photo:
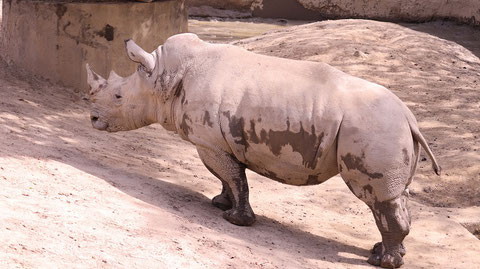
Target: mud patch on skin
(160,83)
(237,127)
(252,134)
(179,89)
(392,217)
(207,120)
(364,194)
(406,158)
(274,176)
(368,188)
(184,125)
(313,180)
(356,163)
(303,142)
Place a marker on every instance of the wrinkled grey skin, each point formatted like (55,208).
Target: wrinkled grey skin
(295,122)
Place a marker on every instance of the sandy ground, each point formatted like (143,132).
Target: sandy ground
(74,197)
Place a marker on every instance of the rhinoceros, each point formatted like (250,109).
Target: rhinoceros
(296,122)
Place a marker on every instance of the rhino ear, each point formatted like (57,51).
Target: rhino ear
(94,79)
(113,76)
(138,55)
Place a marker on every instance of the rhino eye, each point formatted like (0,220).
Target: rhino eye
(118,96)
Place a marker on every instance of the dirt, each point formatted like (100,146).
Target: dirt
(72,196)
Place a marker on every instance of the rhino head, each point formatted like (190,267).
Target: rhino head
(143,98)
(121,104)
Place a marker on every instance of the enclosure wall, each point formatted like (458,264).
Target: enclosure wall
(55,39)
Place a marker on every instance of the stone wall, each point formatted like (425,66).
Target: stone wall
(465,11)
(55,39)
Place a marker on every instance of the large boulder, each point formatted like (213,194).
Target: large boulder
(465,11)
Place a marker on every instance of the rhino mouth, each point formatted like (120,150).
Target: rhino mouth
(97,123)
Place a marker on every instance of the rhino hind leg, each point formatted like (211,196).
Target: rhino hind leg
(393,220)
(234,196)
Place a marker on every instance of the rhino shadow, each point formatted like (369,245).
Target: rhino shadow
(91,155)
(197,208)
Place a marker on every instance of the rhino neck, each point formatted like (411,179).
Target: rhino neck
(169,93)
(164,114)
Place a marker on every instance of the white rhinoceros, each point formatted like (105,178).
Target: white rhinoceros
(296,122)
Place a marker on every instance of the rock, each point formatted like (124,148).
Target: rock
(466,11)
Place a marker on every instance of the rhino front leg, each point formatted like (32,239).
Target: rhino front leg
(234,196)
(225,198)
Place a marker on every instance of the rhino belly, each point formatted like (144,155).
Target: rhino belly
(289,167)
(288,147)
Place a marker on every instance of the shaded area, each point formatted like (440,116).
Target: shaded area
(464,35)
(286,9)
(474,228)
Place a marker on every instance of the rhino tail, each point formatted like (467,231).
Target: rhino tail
(417,136)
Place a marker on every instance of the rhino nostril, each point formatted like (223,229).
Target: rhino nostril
(93,118)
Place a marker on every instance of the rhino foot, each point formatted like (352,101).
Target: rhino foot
(392,259)
(222,202)
(378,249)
(386,261)
(240,218)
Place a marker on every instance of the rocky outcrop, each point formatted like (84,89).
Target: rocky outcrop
(465,11)
(240,5)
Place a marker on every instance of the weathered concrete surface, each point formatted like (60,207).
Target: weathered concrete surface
(54,39)
(465,11)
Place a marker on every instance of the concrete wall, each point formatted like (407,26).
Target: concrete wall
(54,39)
(465,11)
